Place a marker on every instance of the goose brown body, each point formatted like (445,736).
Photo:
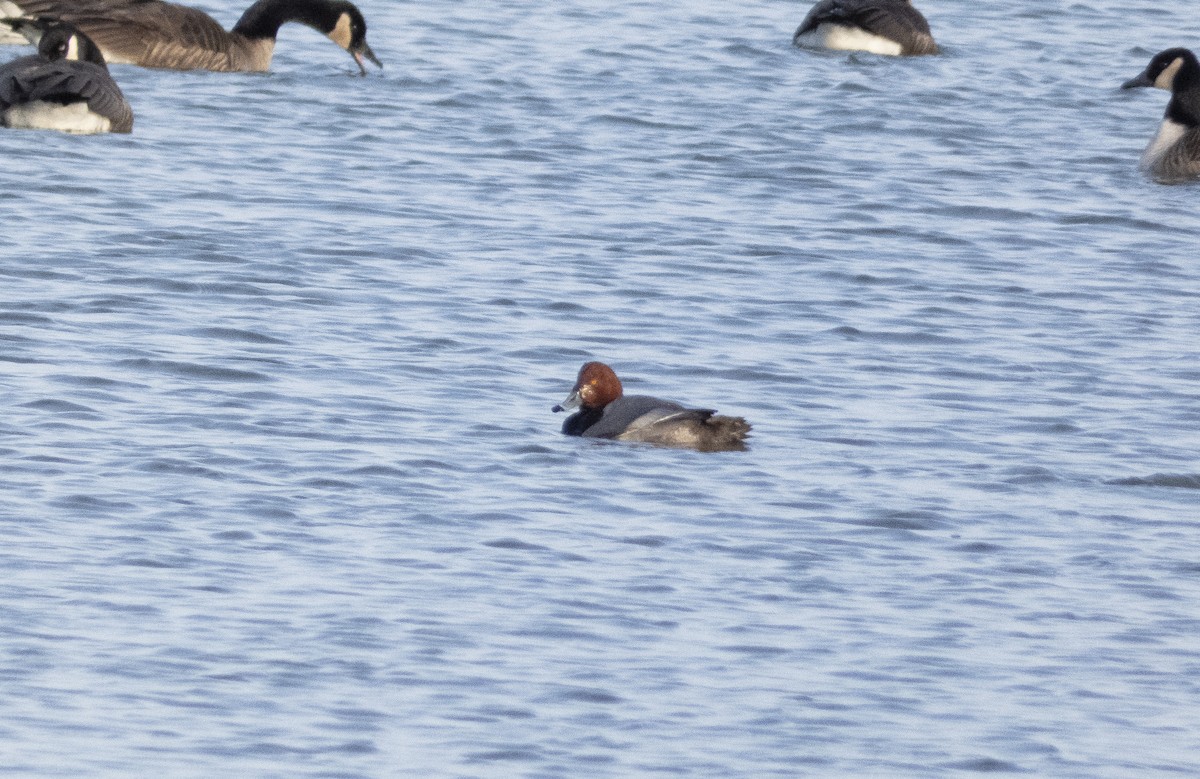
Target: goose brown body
(157,34)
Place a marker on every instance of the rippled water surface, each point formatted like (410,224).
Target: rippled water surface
(283,496)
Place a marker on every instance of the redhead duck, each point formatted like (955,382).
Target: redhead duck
(876,26)
(604,412)
(1174,153)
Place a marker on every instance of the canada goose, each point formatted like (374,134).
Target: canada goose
(65,86)
(156,34)
(876,26)
(1174,153)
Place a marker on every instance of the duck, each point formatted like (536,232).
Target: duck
(1173,155)
(606,412)
(158,34)
(66,86)
(891,27)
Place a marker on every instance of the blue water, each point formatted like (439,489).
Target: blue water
(283,496)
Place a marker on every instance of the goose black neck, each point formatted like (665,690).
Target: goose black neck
(264,18)
(1185,93)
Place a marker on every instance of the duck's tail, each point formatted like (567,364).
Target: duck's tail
(725,434)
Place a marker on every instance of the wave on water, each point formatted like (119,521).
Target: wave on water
(1187,481)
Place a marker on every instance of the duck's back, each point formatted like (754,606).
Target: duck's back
(651,420)
(630,413)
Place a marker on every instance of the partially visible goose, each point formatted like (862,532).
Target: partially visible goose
(156,34)
(1174,153)
(65,86)
(7,34)
(876,26)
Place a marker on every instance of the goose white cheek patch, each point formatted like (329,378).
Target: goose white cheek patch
(1166,79)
